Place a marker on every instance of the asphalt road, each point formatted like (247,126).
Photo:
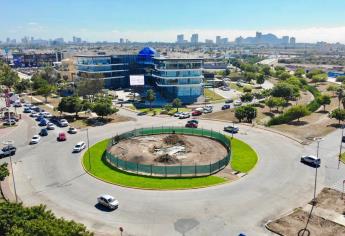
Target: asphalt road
(49,173)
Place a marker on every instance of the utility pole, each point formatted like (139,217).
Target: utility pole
(88,146)
(318,140)
(10,142)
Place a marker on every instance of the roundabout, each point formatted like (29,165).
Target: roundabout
(57,179)
(113,169)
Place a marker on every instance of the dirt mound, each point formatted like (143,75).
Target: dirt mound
(174,139)
(167,159)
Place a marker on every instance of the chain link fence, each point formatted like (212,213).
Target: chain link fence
(169,170)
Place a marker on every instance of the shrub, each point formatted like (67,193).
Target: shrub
(247,89)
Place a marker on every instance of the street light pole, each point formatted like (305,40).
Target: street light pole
(88,146)
(318,140)
(341,144)
(10,142)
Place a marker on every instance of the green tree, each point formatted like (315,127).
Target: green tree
(299,72)
(297,111)
(247,89)
(89,87)
(150,97)
(314,72)
(46,90)
(275,102)
(177,103)
(250,113)
(340,95)
(72,104)
(8,77)
(333,88)
(284,76)
(3,171)
(340,78)
(324,100)
(266,70)
(338,114)
(168,107)
(249,76)
(319,78)
(284,90)
(240,113)
(294,81)
(18,220)
(22,86)
(270,103)
(247,97)
(260,78)
(103,108)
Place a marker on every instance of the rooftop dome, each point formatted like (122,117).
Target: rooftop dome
(147,51)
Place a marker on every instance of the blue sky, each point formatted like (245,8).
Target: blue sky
(161,20)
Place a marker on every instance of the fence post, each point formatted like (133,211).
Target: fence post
(181,168)
(165,170)
(194,169)
(117,162)
(137,167)
(125,164)
(210,168)
(151,169)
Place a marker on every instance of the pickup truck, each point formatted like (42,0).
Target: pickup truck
(8,151)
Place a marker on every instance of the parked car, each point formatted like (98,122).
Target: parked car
(229,101)
(43,132)
(35,108)
(27,110)
(50,126)
(9,122)
(43,122)
(63,123)
(343,139)
(108,201)
(33,114)
(72,130)
(207,109)
(61,137)
(237,103)
(8,150)
(184,115)
(177,114)
(231,129)
(196,113)
(17,104)
(225,88)
(35,139)
(39,118)
(311,160)
(54,120)
(225,107)
(79,147)
(47,114)
(191,125)
(142,113)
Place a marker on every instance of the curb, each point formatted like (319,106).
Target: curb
(277,218)
(260,127)
(5,188)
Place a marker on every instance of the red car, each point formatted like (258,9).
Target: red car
(191,125)
(61,137)
(196,113)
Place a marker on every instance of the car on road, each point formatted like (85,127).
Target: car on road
(35,139)
(229,101)
(9,122)
(237,103)
(43,122)
(225,107)
(231,129)
(184,115)
(191,125)
(142,113)
(343,139)
(108,201)
(311,160)
(61,137)
(50,126)
(193,121)
(207,109)
(8,150)
(72,130)
(177,114)
(27,110)
(79,147)
(63,123)
(43,132)
(196,113)
(47,114)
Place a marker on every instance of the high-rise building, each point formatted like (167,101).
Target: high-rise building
(179,78)
(292,40)
(122,40)
(194,39)
(8,40)
(285,39)
(224,40)
(208,41)
(180,38)
(218,40)
(258,35)
(76,40)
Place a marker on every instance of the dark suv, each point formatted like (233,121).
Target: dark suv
(8,151)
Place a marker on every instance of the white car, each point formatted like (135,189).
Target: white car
(63,123)
(177,114)
(108,201)
(184,115)
(72,130)
(79,147)
(33,114)
(35,139)
(47,114)
(50,126)
(237,103)
(207,109)
(311,160)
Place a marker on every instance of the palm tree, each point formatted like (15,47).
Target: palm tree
(150,97)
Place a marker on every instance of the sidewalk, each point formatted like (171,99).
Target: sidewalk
(6,187)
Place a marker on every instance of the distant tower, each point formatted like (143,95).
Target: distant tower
(194,39)
(218,40)
(180,38)
(292,41)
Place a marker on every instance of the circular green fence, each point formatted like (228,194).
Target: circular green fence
(169,170)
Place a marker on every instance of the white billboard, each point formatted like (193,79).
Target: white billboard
(136,80)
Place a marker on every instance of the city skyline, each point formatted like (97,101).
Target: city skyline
(153,20)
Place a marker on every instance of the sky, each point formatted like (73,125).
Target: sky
(162,20)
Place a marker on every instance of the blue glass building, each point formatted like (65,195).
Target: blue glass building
(111,69)
(179,78)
